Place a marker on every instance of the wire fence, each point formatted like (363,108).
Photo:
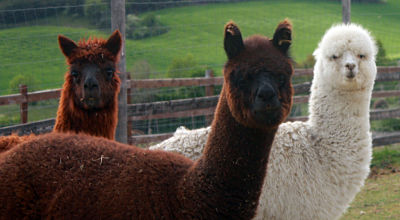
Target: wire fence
(169,39)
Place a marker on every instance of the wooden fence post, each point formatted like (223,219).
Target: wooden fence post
(346,11)
(129,101)
(118,22)
(23,107)
(209,92)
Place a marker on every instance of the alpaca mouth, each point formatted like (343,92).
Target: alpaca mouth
(350,75)
(90,102)
(268,116)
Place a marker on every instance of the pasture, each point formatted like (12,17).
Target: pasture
(194,30)
(378,199)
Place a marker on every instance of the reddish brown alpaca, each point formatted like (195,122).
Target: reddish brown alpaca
(89,98)
(7,142)
(81,177)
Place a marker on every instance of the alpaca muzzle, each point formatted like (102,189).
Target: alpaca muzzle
(91,102)
(266,106)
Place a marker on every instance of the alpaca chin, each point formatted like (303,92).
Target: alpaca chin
(350,84)
(269,118)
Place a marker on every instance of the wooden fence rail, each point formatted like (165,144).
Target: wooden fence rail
(202,106)
(377,139)
(384,74)
(37,127)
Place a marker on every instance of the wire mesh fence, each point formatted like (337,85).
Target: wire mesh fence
(169,39)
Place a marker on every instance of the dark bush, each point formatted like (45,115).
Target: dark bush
(98,12)
(141,69)
(140,28)
(381,104)
(20,79)
(307,63)
(185,66)
(37,9)
(381,59)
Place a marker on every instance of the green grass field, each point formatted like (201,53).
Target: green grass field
(195,30)
(378,199)
(34,50)
(199,29)
(380,196)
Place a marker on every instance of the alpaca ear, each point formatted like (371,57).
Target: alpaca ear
(67,45)
(114,42)
(283,36)
(233,42)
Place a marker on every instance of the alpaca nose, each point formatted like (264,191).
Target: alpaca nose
(91,83)
(266,97)
(265,93)
(350,66)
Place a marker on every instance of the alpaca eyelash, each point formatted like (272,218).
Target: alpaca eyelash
(361,56)
(334,57)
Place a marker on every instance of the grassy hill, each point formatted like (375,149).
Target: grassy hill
(195,30)
(198,30)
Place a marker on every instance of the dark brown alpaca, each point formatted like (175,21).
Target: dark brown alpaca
(81,177)
(89,98)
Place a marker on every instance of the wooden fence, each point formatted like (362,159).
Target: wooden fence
(202,106)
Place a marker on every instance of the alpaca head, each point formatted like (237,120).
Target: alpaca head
(92,82)
(258,76)
(346,58)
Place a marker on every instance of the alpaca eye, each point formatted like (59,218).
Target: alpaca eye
(361,56)
(334,57)
(110,72)
(74,73)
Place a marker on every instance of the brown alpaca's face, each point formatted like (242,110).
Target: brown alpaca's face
(258,77)
(94,84)
(92,80)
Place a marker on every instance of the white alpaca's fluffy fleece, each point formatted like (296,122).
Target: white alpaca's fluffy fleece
(317,167)
(189,143)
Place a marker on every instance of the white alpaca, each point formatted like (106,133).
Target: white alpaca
(189,143)
(317,167)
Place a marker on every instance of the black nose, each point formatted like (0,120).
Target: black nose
(266,97)
(350,66)
(265,93)
(91,83)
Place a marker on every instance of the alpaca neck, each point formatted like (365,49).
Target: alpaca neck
(101,123)
(232,167)
(338,113)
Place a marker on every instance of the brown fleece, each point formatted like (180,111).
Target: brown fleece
(7,142)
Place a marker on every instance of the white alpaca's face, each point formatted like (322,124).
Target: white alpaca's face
(346,58)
